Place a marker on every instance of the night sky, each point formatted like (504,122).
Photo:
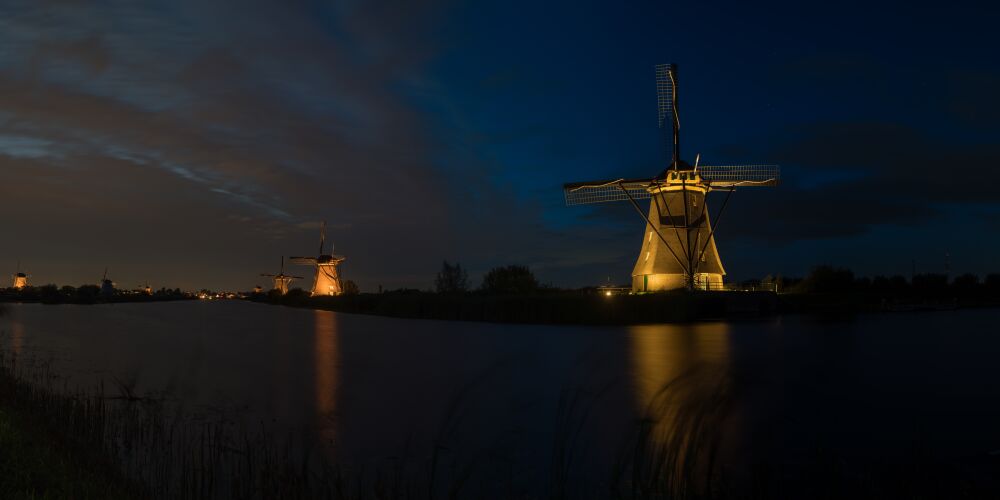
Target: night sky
(191,144)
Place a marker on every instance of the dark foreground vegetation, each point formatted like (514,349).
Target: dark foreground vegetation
(512,295)
(63,443)
(88,294)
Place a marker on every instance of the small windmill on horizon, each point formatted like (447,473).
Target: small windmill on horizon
(107,286)
(678,246)
(282,280)
(327,281)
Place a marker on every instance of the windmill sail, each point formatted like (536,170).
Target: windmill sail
(666,107)
(581,193)
(741,175)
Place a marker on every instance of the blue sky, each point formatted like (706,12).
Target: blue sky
(190,145)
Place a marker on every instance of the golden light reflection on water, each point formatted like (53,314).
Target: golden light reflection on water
(681,391)
(326,359)
(661,353)
(16,337)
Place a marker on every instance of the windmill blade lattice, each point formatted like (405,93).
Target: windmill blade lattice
(741,175)
(581,193)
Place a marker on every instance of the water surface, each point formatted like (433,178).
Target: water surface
(368,388)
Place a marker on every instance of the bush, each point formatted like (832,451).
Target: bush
(966,284)
(451,279)
(930,284)
(511,280)
(827,279)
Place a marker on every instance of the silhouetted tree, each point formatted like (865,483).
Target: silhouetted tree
(510,280)
(88,293)
(929,285)
(49,293)
(451,279)
(296,294)
(966,285)
(827,279)
(351,288)
(992,285)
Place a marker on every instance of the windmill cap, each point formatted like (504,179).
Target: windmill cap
(683,165)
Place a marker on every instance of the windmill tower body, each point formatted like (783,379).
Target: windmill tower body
(678,245)
(20,281)
(327,280)
(679,226)
(281,283)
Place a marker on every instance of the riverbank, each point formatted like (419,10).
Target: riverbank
(567,307)
(547,308)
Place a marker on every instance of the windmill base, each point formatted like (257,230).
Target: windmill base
(642,283)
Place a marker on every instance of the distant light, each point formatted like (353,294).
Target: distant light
(608,293)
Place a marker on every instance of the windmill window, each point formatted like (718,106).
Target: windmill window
(650,238)
(647,255)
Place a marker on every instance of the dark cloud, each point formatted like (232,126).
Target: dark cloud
(877,174)
(214,139)
(972,99)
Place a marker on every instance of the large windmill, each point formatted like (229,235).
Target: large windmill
(282,280)
(20,280)
(327,280)
(678,247)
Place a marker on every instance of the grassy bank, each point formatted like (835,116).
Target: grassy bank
(590,308)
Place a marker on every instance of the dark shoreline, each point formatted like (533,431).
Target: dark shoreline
(595,309)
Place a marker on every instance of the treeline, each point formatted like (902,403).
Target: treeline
(514,294)
(830,279)
(86,294)
(832,289)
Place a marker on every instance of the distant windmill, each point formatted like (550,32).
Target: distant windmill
(281,280)
(20,279)
(107,286)
(678,248)
(327,280)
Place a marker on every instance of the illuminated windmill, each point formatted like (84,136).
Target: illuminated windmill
(107,286)
(281,280)
(20,280)
(678,247)
(327,280)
